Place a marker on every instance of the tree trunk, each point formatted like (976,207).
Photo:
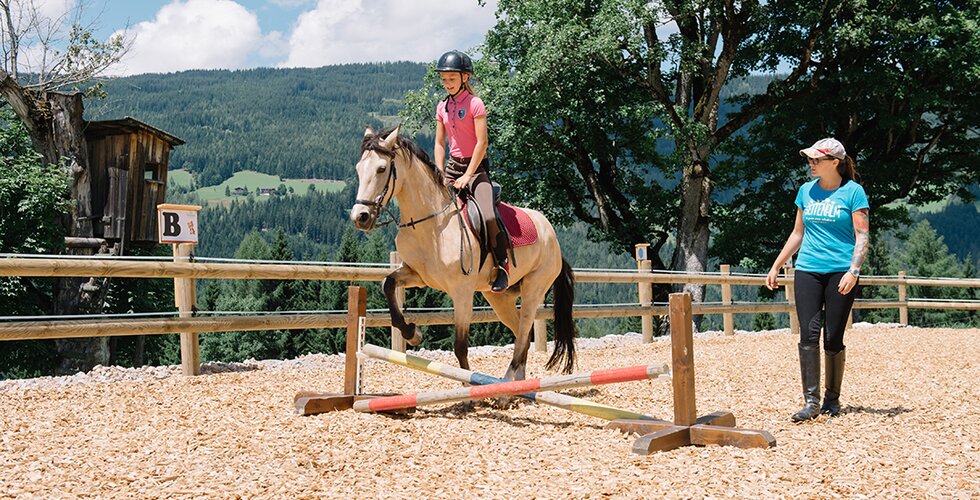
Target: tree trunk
(54,122)
(66,146)
(691,253)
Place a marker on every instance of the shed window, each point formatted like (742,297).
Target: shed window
(152,172)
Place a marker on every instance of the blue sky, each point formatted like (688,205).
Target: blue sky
(178,35)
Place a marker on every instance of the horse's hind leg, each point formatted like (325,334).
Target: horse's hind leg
(405,277)
(505,305)
(532,296)
(462,316)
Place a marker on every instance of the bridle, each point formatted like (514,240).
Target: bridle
(379,205)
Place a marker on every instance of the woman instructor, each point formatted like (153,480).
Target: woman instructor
(831,234)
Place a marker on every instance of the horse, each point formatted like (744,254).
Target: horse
(431,243)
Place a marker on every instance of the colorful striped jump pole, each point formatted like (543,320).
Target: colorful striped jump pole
(513,388)
(569,403)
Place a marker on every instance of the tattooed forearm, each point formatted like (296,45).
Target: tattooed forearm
(862,226)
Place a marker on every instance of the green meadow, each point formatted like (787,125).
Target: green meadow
(252,181)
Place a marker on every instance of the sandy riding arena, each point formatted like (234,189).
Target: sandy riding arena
(910,428)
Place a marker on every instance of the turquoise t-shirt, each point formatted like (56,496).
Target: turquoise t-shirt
(828,236)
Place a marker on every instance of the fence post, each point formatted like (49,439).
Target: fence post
(397,341)
(794,320)
(726,299)
(903,308)
(645,291)
(540,334)
(185,298)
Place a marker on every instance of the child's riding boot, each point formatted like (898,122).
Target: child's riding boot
(501,280)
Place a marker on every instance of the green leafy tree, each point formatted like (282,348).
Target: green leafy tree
(617,119)
(902,94)
(32,200)
(609,115)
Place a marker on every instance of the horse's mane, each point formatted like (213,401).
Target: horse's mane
(374,143)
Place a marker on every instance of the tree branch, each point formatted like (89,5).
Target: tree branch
(779,92)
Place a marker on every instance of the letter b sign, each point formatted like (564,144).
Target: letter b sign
(177,223)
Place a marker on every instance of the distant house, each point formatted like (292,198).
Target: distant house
(128,165)
(240,191)
(267,191)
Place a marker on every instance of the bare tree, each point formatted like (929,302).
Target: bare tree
(45,58)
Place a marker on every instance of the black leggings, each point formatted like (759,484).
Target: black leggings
(482,191)
(818,303)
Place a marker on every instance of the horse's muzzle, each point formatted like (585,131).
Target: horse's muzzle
(363,217)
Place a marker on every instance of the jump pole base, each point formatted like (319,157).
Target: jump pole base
(716,428)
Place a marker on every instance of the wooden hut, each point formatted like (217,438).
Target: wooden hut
(128,163)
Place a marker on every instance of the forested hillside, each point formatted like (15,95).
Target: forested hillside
(296,123)
(307,123)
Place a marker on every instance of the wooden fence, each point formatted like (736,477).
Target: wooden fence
(184,270)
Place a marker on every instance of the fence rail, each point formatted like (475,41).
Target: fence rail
(184,270)
(112,268)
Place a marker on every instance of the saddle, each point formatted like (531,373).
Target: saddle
(516,225)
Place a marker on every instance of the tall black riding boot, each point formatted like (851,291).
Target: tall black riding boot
(835,375)
(501,280)
(810,373)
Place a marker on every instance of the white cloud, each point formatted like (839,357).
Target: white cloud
(193,34)
(289,3)
(54,9)
(344,31)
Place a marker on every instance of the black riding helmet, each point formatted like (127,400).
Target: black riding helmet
(455,60)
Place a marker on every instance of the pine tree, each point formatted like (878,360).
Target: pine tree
(926,255)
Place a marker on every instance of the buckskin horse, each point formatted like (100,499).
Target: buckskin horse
(431,243)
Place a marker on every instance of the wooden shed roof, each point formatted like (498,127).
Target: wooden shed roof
(128,125)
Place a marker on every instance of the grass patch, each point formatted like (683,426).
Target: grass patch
(180,178)
(254,181)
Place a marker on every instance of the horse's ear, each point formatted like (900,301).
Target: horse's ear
(392,137)
(368,132)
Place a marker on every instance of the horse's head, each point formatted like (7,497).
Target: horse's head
(376,178)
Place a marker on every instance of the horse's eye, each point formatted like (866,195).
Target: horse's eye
(381,169)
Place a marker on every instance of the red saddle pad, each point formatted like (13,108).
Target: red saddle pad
(518,224)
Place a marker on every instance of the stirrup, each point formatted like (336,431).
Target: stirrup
(500,281)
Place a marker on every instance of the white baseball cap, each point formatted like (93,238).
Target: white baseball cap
(825,147)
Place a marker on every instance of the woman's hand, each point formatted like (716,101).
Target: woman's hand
(847,283)
(771,279)
(463,181)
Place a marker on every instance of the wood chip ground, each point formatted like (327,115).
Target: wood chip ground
(910,428)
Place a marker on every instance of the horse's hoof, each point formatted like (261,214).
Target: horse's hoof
(503,403)
(416,337)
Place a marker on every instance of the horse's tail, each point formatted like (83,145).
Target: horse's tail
(564,296)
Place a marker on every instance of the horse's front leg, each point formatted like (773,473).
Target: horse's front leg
(405,277)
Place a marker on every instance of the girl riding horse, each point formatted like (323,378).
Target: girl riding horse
(462,117)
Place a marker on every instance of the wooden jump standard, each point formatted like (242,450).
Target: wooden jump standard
(656,435)
(687,428)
